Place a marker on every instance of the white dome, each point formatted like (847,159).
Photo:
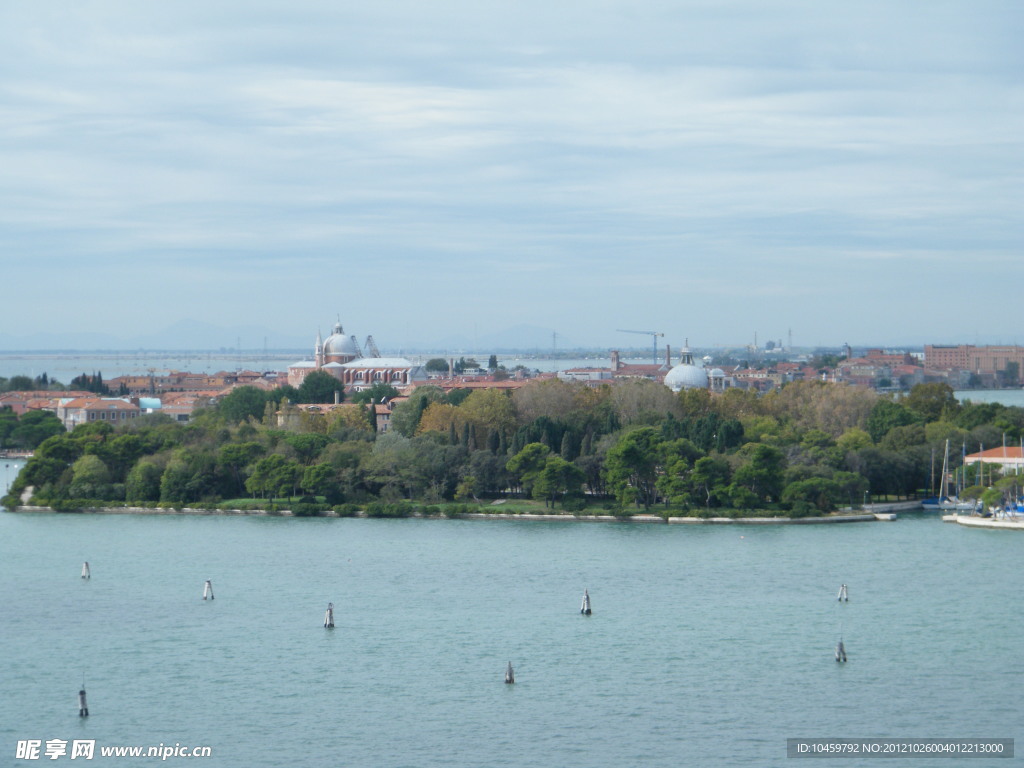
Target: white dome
(339,344)
(686,377)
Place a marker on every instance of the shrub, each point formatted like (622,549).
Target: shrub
(388,509)
(306,509)
(802,509)
(574,504)
(68,505)
(346,510)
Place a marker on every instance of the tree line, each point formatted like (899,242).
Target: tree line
(807,448)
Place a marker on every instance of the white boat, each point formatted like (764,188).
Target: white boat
(944,501)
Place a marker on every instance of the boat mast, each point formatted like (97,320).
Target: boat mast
(931,483)
(944,481)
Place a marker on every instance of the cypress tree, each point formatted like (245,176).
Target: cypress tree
(566,447)
(588,442)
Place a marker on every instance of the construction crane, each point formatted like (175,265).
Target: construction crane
(371,347)
(653,334)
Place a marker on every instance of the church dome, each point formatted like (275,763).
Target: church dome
(340,345)
(686,375)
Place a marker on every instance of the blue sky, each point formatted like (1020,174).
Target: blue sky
(849,172)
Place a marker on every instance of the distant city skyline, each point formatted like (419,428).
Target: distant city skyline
(429,173)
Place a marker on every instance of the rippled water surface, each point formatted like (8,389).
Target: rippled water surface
(707,646)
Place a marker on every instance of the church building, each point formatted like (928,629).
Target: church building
(342,358)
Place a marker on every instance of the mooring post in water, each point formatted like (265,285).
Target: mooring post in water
(510,676)
(83,707)
(85,570)
(329,617)
(844,596)
(585,608)
(208,590)
(840,651)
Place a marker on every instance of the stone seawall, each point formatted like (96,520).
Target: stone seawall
(476,516)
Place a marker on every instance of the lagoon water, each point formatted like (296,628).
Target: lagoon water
(707,646)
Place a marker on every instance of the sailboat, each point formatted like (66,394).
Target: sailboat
(944,500)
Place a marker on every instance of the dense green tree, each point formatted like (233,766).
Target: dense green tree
(558,478)
(900,438)
(21,384)
(90,478)
(886,415)
(306,446)
(34,427)
(741,497)
(853,439)
(93,383)
(632,466)
(143,482)
(319,480)
(762,472)
(710,478)
(274,475)
(819,492)
(8,421)
(320,387)
(234,457)
(488,471)
(932,401)
(436,365)
(243,403)
(592,467)
(120,453)
(174,483)
(525,467)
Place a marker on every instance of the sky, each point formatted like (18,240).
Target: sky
(710,170)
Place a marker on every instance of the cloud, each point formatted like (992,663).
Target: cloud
(198,160)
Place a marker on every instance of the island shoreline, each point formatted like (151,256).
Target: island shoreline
(640,518)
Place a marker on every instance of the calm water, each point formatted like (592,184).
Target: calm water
(708,645)
(1004,396)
